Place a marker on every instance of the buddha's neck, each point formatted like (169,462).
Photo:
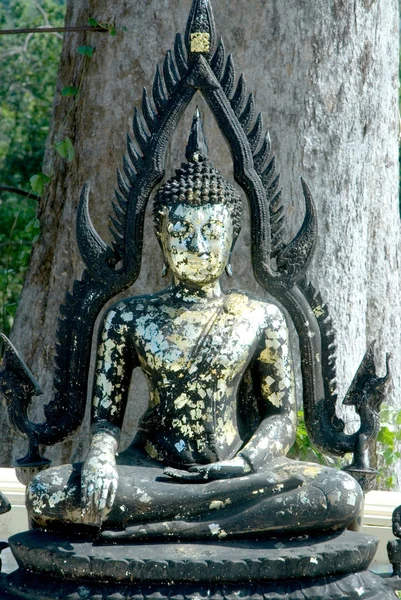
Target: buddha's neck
(201,294)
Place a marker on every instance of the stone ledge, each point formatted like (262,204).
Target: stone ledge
(360,586)
(224,561)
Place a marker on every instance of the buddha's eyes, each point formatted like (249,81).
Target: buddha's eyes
(213,229)
(177,229)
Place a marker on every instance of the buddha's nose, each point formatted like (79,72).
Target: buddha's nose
(198,244)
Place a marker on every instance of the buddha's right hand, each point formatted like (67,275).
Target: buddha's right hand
(99,480)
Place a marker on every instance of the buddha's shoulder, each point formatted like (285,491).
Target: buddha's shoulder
(268,314)
(129,309)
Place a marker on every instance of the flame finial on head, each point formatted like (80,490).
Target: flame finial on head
(197,150)
(200,35)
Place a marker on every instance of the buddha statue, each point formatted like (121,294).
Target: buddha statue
(206,483)
(209,458)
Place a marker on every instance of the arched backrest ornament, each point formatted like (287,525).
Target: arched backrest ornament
(198,64)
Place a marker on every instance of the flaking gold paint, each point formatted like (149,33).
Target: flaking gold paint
(200,42)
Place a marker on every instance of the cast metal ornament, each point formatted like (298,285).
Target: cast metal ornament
(198,64)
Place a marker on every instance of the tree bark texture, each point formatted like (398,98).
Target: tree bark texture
(325,77)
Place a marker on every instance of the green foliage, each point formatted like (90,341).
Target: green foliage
(86,50)
(109,26)
(303,449)
(28,66)
(388,447)
(388,444)
(66,149)
(38,183)
(69,90)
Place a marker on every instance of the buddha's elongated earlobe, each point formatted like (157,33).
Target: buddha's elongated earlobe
(229,269)
(165,270)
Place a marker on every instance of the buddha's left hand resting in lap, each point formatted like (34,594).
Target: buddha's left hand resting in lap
(209,459)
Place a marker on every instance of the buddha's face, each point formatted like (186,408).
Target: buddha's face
(197,241)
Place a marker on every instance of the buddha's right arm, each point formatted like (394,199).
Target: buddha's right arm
(113,372)
(114,365)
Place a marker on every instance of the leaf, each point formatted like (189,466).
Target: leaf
(38,183)
(34,224)
(69,90)
(11,308)
(86,50)
(65,148)
(108,26)
(386,437)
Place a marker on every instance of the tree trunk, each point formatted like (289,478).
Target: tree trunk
(325,77)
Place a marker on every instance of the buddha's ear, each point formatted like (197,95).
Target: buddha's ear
(165,268)
(229,269)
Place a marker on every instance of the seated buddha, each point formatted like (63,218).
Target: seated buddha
(209,459)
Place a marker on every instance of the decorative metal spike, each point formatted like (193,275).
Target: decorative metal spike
(129,171)
(276,215)
(148,112)
(273,188)
(139,130)
(171,77)
(123,204)
(134,156)
(261,157)
(122,184)
(255,136)
(277,237)
(119,213)
(159,97)
(197,150)
(227,82)
(319,298)
(218,61)
(118,226)
(278,223)
(69,298)
(180,57)
(118,240)
(275,202)
(249,112)
(64,310)
(239,97)
(200,35)
(118,248)
(269,172)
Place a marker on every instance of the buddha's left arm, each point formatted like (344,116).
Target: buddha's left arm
(274,375)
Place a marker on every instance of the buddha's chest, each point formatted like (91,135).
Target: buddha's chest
(207,344)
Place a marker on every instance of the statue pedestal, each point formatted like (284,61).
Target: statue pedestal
(326,568)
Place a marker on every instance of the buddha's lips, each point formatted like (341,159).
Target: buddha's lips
(198,261)
(199,257)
